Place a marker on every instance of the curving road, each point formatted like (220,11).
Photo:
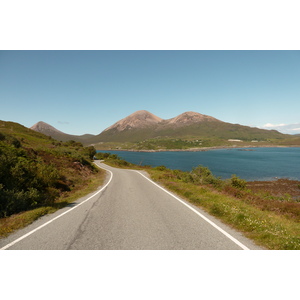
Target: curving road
(129,212)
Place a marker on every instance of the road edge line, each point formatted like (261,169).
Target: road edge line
(198,213)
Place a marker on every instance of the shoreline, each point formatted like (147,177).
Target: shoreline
(203,148)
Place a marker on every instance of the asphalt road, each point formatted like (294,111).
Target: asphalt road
(129,212)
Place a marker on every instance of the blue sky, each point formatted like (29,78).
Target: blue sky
(82,92)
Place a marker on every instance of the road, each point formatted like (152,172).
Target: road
(129,212)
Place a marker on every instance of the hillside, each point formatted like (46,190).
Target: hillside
(49,130)
(36,170)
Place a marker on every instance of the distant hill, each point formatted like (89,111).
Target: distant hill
(143,125)
(49,130)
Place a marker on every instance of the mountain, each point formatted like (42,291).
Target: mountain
(143,125)
(49,130)
(140,119)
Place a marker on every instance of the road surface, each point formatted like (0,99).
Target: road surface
(129,212)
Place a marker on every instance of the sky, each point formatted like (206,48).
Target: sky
(81,92)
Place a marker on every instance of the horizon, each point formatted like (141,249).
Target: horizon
(85,92)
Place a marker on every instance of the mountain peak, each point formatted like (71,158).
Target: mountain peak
(190,117)
(44,128)
(139,119)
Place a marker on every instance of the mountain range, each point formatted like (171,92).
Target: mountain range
(143,126)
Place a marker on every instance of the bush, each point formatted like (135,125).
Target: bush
(160,168)
(202,175)
(26,180)
(237,182)
(101,155)
(89,151)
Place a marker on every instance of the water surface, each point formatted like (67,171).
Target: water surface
(257,164)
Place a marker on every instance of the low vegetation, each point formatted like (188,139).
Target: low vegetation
(270,217)
(39,175)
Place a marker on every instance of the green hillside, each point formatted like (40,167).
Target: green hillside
(22,133)
(38,171)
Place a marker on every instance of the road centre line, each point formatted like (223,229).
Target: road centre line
(199,214)
(57,217)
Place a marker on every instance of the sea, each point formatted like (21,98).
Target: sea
(247,163)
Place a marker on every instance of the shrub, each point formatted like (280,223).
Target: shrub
(26,180)
(101,155)
(160,168)
(202,175)
(237,182)
(89,151)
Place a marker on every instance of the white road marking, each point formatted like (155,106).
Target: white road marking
(199,214)
(47,223)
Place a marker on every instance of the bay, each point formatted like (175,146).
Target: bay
(252,164)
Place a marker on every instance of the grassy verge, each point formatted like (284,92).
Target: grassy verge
(270,227)
(20,220)
(271,220)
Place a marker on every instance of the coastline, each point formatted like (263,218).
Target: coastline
(204,148)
